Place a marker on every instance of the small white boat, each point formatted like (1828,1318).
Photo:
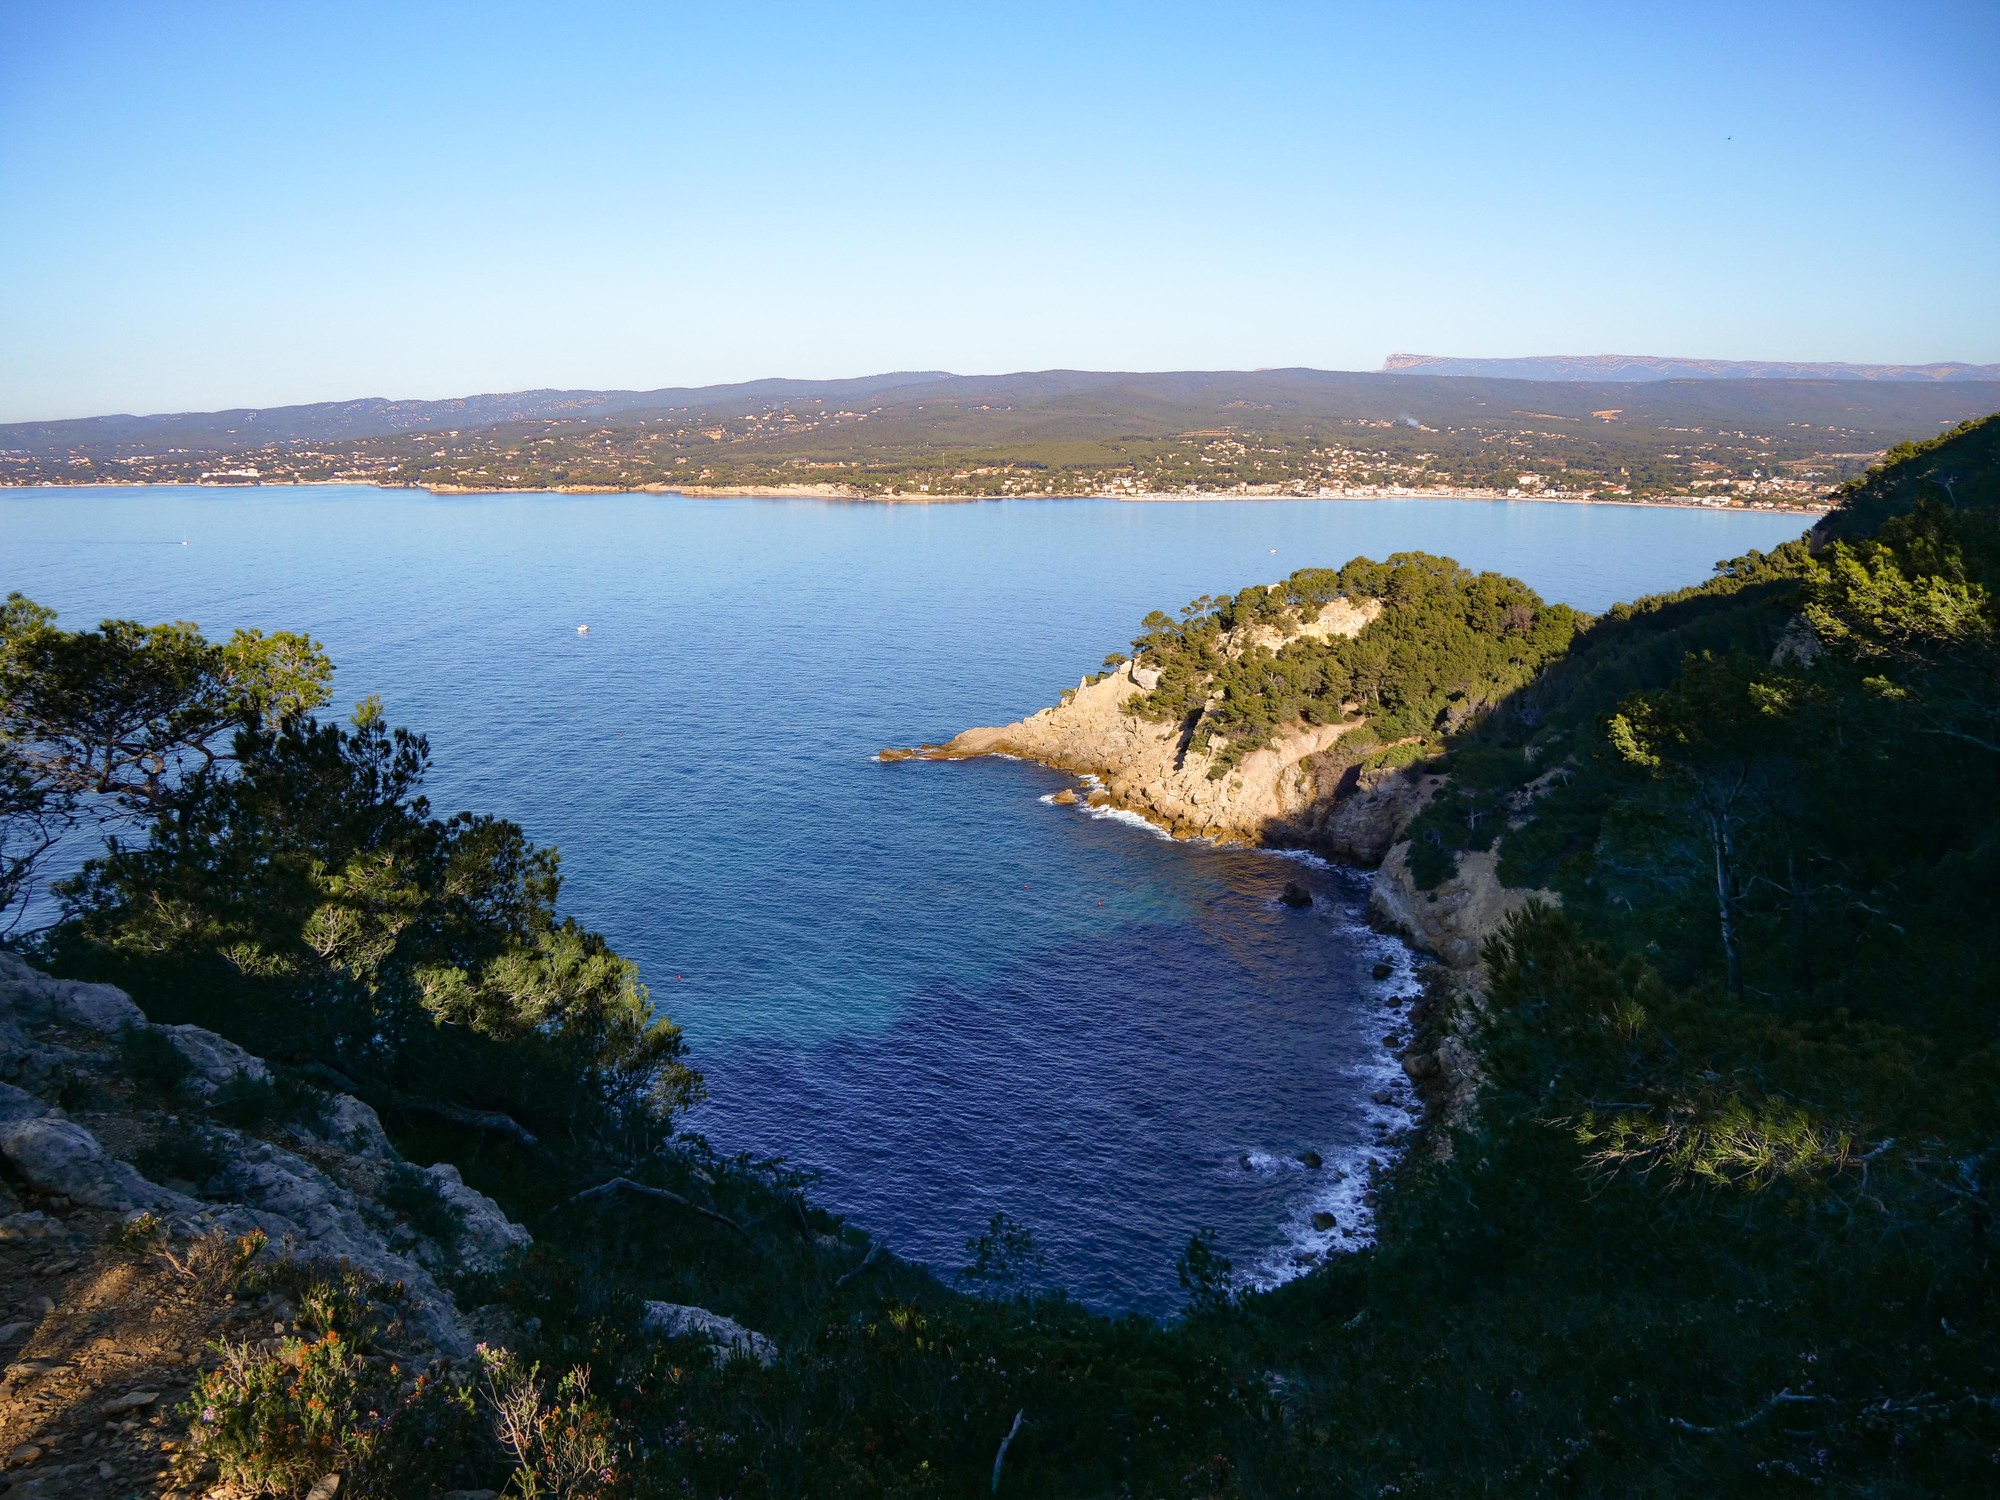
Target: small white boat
(583,630)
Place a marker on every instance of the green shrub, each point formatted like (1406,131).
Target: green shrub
(1004,1255)
(181,1153)
(413,1196)
(269,1423)
(137,1235)
(150,1059)
(1206,1275)
(333,1297)
(252,1103)
(272,1423)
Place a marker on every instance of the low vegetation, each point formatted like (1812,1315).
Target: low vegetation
(1720,1221)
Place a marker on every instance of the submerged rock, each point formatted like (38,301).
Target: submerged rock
(1324,1221)
(1296,896)
(1312,1161)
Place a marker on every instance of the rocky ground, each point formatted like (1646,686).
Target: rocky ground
(115,1285)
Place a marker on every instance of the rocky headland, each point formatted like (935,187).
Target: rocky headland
(1298,791)
(1290,793)
(1301,789)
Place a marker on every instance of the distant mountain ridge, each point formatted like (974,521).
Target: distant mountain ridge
(377,416)
(1082,403)
(1634,367)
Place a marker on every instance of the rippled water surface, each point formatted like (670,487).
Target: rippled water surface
(945,994)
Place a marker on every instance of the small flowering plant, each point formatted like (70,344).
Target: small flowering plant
(272,1421)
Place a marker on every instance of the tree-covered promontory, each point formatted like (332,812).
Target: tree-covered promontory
(1446,643)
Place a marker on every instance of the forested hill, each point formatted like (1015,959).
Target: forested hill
(1047,432)
(1655,367)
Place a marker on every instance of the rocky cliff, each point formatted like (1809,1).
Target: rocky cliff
(1297,791)
(1289,793)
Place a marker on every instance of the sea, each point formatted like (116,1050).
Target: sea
(927,984)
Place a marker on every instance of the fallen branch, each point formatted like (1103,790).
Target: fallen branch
(478,1119)
(874,1250)
(333,1078)
(1001,1457)
(627,1185)
(798,1213)
(1783,1398)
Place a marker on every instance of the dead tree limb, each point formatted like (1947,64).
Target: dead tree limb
(477,1119)
(1783,1398)
(627,1185)
(1001,1457)
(874,1250)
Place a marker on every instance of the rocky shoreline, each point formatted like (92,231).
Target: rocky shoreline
(1296,792)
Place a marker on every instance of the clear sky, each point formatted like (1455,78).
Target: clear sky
(217,205)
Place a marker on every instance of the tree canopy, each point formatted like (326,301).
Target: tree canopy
(1447,644)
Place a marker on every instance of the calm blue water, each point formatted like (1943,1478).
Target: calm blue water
(946,995)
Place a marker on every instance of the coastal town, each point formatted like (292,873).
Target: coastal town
(923,445)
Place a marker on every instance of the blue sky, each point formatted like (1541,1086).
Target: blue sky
(214,205)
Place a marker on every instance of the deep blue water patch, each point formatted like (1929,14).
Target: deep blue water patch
(899,975)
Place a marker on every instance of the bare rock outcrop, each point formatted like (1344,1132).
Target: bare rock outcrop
(1452,922)
(313,1187)
(728,1337)
(486,1236)
(1288,793)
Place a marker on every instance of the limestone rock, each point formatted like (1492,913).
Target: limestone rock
(1452,922)
(60,1156)
(356,1128)
(34,1225)
(96,1007)
(1269,796)
(730,1338)
(19,1104)
(1798,644)
(33,997)
(1367,811)
(317,1206)
(214,1060)
(487,1237)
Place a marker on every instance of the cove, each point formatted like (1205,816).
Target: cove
(945,995)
